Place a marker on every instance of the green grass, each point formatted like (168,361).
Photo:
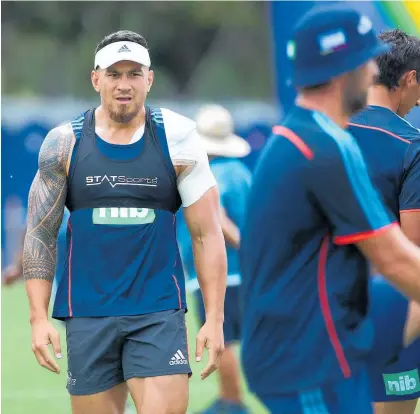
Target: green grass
(29,389)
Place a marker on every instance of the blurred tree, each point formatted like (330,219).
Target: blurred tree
(198,49)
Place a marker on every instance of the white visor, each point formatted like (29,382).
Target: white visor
(118,51)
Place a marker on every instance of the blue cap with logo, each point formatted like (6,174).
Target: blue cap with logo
(330,40)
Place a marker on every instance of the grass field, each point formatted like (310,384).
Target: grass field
(29,389)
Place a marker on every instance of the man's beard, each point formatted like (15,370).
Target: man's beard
(123,115)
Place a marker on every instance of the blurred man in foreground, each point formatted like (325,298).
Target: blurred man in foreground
(313,220)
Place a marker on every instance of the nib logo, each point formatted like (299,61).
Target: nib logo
(402,383)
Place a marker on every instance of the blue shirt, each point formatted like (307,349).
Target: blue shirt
(234,181)
(391,148)
(122,257)
(305,285)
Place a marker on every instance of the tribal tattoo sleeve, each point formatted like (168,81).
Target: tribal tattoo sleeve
(46,204)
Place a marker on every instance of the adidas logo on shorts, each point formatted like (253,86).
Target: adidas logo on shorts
(178,359)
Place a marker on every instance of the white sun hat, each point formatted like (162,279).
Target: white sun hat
(215,126)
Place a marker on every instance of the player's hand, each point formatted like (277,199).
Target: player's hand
(43,335)
(11,274)
(211,337)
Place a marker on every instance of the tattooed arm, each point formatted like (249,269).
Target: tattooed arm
(45,212)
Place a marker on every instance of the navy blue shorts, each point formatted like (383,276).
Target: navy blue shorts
(104,352)
(388,310)
(232,323)
(347,396)
(394,370)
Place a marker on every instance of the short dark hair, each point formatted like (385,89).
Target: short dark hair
(403,57)
(121,36)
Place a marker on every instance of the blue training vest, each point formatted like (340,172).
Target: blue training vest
(122,253)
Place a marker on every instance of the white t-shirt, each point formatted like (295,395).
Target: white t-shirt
(185,148)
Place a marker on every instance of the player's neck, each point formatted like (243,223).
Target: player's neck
(381,96)
(115,132)
(330,107)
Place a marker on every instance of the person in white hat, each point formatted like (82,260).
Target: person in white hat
(215,127)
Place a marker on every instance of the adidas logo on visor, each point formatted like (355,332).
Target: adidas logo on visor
(124,49)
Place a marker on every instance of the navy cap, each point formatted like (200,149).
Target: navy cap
(331,39)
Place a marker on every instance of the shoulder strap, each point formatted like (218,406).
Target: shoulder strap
(81,126)
(77,125)
(159,129)
(159,136)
